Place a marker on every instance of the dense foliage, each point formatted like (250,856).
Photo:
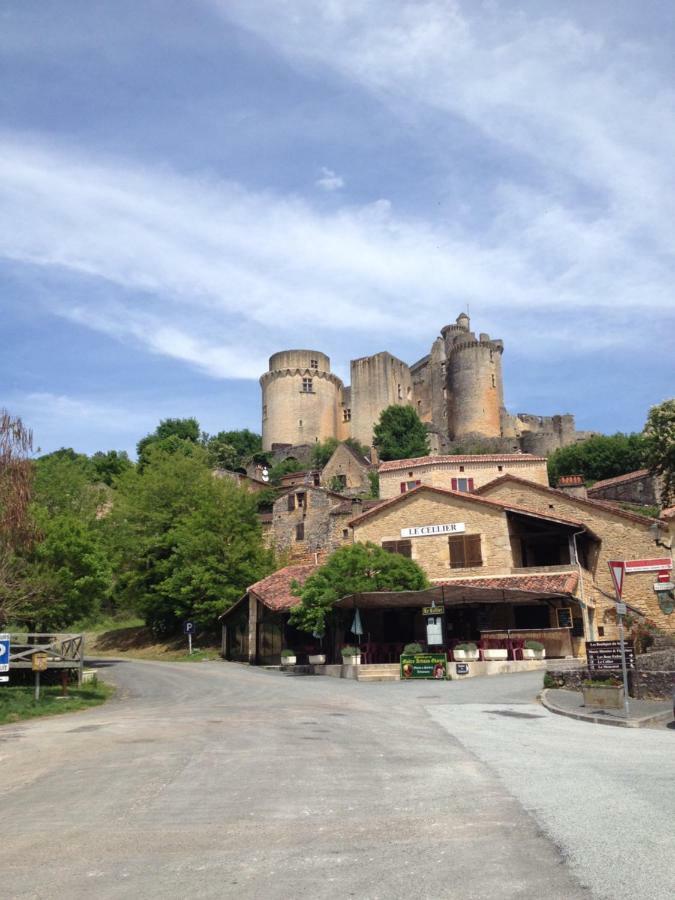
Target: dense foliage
(233,449)
(352,570)
(599,457)
(659,447)
(400,434)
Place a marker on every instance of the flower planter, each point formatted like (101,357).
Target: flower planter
(288,660)
(533,654)
(351,660)
(462,655)
(317,659)
(495,654)
(603,697)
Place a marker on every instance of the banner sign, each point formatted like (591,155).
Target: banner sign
(429,530)
(606,655)
(423,665)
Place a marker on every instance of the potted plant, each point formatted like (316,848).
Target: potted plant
(603,693)
(495,653)
(317,659)
(467,651)
(288,658)
(534,650)
(351,656)
(412,649)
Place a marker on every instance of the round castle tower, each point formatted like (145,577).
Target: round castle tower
(475,390)
(301,399)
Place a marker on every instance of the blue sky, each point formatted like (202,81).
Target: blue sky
(186,188)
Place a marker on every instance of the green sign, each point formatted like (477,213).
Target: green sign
(433,610)
(423,665)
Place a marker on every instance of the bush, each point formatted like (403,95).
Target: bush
(351,651)
(413,648)
(549,681)
(467,648)
(286,653)
(601,682)
(533,645)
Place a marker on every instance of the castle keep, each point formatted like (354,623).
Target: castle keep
(457,390)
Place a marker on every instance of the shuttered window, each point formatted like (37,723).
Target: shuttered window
(462,484)
(300,531)
(402,547)
(409,486)
(465,552)
(291,502)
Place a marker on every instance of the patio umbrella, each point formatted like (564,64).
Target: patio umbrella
(357,628)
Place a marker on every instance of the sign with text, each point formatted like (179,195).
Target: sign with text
(633,566)
(423,665)
(605,656)
(430,530)
(433,610)
(4,653)
(462,668)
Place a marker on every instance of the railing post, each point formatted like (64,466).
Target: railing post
(80,670)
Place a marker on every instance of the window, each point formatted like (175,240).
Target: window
(409,486)
(291,502)
(264,411)
(400,392)
(300,531)
(461,468)
(346,415)
(314,363)
(465,552)
(301,499)
(494,384)
(307,385)
(500,468)
(345,533)
(462,484)
(299,423)
(410,474)
(341,481)
(404,548)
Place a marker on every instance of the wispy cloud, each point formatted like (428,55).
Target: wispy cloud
(329,181)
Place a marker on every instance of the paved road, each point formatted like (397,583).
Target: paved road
(216,780)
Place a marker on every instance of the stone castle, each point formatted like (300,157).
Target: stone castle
(457,390)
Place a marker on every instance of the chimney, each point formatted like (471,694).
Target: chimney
(572,485)
(374,458)
(357,507)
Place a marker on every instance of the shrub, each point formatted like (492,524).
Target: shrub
(351,651)
(413,648)
(610,681)
(549,681)
(286,653)
(533,645)
(469,647)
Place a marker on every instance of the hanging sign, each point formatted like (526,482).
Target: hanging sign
(430,530)
(433,610)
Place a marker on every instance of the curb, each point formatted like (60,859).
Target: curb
(640,722)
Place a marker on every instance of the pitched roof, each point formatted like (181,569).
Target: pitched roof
(470,498)
(619,479)
(361,460)
(347,506)
(580,501)
(275,590)
(555,582)
(395,464)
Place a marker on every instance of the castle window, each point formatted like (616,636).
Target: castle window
(299,423)
(300,531)
(404,548)
(314,363)
(490,355)
(346,415)
(306,385)
(265,411)
(465,551)
(494,383)
(400,393)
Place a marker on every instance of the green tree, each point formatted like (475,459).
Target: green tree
(351,570)
(172,436)
(63,485)
(323,451)
(659,442)
(374,479)
(285,467)
(233,449)
(110,465)
(599,457)
(360,448)
(400,434)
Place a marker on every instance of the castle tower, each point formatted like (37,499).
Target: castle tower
(474,388)
(302,399)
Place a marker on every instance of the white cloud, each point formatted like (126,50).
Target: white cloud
(329,181)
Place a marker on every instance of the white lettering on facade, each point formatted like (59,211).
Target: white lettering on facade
(430,530)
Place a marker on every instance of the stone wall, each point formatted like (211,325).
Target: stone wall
(378,381)
(653,678)
(346,464)
(311,508)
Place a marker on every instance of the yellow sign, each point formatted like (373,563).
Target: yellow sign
(40,662)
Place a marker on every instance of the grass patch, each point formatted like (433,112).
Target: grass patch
(138,642)
(18,703)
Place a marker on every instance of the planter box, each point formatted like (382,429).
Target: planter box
(317,659)
(609,697)
(495,654)
(468,655)
(288,660)
(351,660)
(533,654)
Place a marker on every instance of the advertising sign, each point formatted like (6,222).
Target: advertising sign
(433,610)
(423,665)
(605,656)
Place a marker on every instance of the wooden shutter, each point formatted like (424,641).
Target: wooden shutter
(404,548)
(472,550)
(465,551)
(457,558)
(418,483)
(291,502)
(300,531)
(403,487)
(470,480)
(453,484)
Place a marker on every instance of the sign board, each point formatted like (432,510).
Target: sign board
(634,566)
(564,615)
(4,653)
(433,610)
(423,665)
(462,668)
(4,678)
(617,569)
(40,662)
(188,627)
(621,609)
(435,631)
(664,586)
(606,655)
(430,530)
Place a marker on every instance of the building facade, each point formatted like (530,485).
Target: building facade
(457,390)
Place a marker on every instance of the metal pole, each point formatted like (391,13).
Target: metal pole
(190,643)
(623,668)
(37,685)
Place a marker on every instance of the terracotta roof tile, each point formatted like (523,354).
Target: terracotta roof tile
(395,464)
(619,479)
(275,590)
(346,507)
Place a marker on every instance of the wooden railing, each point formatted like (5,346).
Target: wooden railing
(64,651)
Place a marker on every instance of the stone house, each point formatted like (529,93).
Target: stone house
(637,487)
(347,472)
(302,525)
(248,483)
(457,473)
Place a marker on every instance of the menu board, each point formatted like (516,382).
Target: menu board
(564,617)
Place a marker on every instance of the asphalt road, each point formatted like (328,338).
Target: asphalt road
(216,780)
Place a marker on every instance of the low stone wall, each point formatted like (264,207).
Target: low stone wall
(653,678)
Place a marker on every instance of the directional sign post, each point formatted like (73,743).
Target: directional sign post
(618,570)
(188,629)
(4,656)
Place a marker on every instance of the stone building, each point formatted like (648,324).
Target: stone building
(347,472)
(638,487)
(457,389)
(457,473)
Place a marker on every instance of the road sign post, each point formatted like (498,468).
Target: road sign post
(4,656)
(188,629)
(40,662)
(618,570)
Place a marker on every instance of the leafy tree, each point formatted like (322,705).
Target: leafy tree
(323,451)
(374,479)
(233,449)
(599,457)
(172,436)
(360,448)
(400,434)
(285,467)
(659,445)
(110,465)
(351,570)
(63,485)
(264,498)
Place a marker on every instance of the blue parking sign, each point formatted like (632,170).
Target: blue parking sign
(188,627)
(4,653)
